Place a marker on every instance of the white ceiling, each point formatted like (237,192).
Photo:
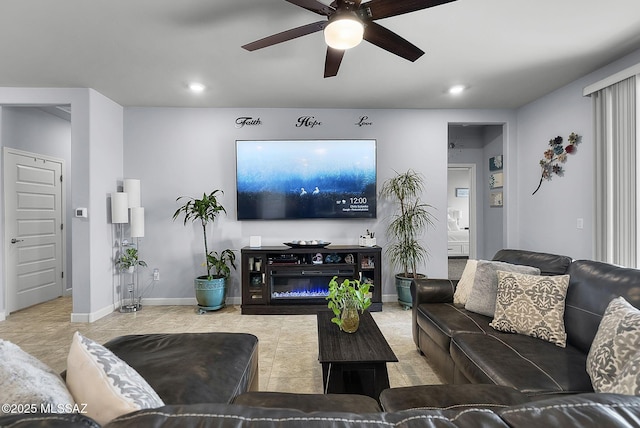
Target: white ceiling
(143,52)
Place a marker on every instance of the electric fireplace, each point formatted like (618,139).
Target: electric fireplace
(304,284)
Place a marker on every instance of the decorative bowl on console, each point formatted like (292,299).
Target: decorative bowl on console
(313,243)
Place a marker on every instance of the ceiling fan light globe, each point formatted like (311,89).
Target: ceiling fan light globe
(343,33)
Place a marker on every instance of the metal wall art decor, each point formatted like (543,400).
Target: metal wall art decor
(555,156)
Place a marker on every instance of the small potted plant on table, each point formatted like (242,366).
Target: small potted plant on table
(211,289)
(345,300)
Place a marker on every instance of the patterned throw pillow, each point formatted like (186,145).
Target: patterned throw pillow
(107,385)
(25,380)
(482,299)
(613,362)
(532,305)
(463,289)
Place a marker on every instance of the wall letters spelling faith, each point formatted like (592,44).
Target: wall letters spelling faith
(247,121)
(307,121)
(364,121)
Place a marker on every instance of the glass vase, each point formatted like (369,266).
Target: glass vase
(350,317)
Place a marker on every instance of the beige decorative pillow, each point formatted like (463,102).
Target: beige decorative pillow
(463,289)
(532,305)
(613,362)
(27,381)
(107,385)
(482,299)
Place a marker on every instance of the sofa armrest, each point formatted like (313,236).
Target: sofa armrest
(426,290)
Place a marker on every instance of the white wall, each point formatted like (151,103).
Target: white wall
(177,152)
(547,220)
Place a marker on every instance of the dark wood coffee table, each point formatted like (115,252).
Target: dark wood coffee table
(353,363)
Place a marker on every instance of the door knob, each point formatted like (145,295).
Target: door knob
(15,241)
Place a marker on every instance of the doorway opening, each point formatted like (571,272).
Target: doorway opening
(38,139)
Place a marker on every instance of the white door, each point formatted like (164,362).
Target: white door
(33,228)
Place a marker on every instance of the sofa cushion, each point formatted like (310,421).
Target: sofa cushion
(591,287)
(27,381)
(613,360)
(442,320)
(482,298)
(463,289)
(532,305)
(447,397)
(185,368)
(309,402)
(530,365)
(105,383)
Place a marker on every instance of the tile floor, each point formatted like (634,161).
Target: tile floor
(288,343)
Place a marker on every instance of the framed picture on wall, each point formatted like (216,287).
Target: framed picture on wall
(496,180)
(495,163)
(495,199)
(462,192)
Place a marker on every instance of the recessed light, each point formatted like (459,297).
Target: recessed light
(457,89)
(196,87)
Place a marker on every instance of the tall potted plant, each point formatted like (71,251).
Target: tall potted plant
(211,289)
(405,231)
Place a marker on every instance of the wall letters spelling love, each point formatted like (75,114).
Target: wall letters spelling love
(307,121)
(364,121)
(247,121)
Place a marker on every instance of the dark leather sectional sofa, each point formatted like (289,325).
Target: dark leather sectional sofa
(463,348)
(501,380)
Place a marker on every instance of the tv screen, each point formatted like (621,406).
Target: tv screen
(305,179)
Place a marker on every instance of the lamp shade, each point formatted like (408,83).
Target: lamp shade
(132,188)
(137,222)
(119,207)
(344,32)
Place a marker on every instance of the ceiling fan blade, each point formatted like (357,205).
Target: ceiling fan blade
(286,35)
(332,63)
(378,9)
(390,41)
(314,6)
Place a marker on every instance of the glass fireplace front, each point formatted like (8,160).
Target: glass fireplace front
(304,284)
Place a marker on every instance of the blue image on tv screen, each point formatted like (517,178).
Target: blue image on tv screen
(303,179)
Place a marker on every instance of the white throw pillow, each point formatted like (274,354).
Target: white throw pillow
(463,289)
(482,299)
(613,360)
(107,385)
(25,380)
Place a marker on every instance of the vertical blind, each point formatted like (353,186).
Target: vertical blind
(616,165)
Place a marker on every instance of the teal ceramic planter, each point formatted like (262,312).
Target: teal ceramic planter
(210,293)
(403,287)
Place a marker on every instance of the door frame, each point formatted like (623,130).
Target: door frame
(473,208)
(63,213)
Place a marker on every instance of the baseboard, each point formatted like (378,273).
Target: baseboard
(92,316)
(182,301)
(386,298)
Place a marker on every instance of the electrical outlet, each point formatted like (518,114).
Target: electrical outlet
(156,274)
(580,223)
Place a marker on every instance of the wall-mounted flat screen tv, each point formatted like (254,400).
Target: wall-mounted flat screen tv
(305,179)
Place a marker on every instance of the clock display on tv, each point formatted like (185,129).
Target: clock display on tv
(305,179)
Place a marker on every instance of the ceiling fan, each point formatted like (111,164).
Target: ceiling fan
(349,22)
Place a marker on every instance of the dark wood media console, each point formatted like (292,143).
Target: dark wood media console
(283,280)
